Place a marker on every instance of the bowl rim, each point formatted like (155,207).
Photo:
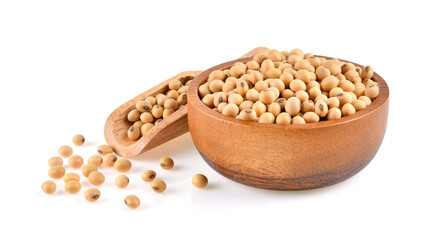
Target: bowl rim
(195,101)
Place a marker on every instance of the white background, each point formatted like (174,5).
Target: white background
(66,65)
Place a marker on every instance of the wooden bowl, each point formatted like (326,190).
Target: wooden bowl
(287,157)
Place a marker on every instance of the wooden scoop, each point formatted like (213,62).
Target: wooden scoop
(116,128)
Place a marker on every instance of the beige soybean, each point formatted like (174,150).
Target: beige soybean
(235,98)
(134,115)
(65,151)
(132,201)
(365,99)
(142,106)
(221,106)
(219,98)
(109,160)
(71,177)
(228,86)
(267,96)
(333,102)
(88,169)
(75,161)
(334,66)
(134,133)
(96,178)
(334,91)
(321,108)
(208,100)
(266,117)
(78,140)
(372,91)
(175,84)
(166,113)
(274,108)
(55,161)
(302,95)
(347,67)
(252,95)
(286,78)
(329,82)
(248,115)
(283,118)
(346,85)
(281,102)
(252,65)
(203,90)
(347,109)
(298,120)
(231,110)
(145,128)
(183,89)
(242,87)
(121,181)
(367,72)
(216,86)
(158,186)
(166,163)
(246,105)
(152,100)
(48,187)
(182,99)
(199,181)
(72,187)
(261,85)
(172,94)
(92,194)
(311,117)
(322,73)
(314,92)
(320,97)
(359,105)
(297,85)
(57,172)
(122,165)
(334,113)
(307,106)
(157,111)
(104,149)
(147,117)
(95,160)
(217,74)
(344,98)
(148,175)
(353,76)
(161,98)
(293,106)
(138,124)
(169,103)
(259,108)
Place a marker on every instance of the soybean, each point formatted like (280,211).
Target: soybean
(132,201)
(121,181)
(158,186)
(92,194)
(166,163)
(48,187)
(199,181)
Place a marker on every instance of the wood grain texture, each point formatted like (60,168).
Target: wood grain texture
(287,157)
(116,127)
